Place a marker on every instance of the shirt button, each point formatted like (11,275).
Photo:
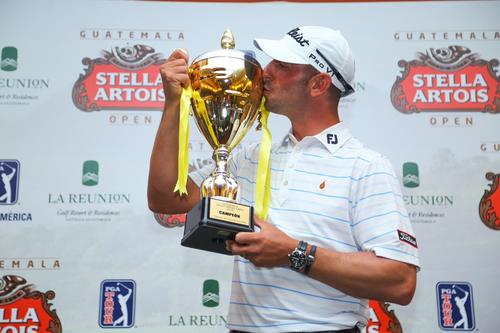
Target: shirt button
(285,183)
(291,165)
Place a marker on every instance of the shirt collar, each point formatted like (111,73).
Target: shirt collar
(332,138)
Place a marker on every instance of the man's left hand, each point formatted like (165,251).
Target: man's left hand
(267,247)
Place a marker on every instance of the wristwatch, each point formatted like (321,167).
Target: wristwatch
(297,257)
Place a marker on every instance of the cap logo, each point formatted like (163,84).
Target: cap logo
(299,37)
(334,73)
(321,65)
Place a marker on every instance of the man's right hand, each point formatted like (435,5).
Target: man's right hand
(174,74)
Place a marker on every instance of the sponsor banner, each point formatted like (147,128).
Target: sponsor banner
(445,36)
(455,306)
(23,309)
(9,59)
(91,205)
(447,79)
(9,181)
(10,211)
(490,147)
(131,35)
(17,87)
(489,206)
(410,175)
(382,319)
(210,299)
(196,320)
(117,303)
(423,207)
(16,264)
(360,90)
(211,293)
(125,78)
(54,110)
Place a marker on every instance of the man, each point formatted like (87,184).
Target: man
(337,232)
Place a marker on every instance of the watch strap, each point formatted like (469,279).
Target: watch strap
(310,259)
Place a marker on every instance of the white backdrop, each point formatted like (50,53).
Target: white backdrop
(77,240)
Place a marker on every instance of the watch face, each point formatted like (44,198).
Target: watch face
(297,259)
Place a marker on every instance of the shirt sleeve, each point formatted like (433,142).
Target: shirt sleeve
(380,221)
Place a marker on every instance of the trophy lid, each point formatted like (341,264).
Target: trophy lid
(227,50)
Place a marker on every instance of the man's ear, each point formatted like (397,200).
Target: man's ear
(319,84)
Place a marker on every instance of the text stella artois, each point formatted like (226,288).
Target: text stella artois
(449,90)
(114,86)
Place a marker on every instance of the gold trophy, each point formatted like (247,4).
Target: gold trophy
(227,88)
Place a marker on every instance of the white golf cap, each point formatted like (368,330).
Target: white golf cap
(324,48)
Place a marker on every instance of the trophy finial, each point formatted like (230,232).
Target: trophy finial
(227,40)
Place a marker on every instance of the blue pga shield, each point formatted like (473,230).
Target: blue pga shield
(455,306)
(117,304)
(9,181)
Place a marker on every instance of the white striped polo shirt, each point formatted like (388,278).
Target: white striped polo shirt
(329,191)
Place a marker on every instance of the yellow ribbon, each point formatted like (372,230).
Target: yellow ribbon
(263,181)
(183,158)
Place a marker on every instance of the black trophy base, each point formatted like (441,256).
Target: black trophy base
(211,222)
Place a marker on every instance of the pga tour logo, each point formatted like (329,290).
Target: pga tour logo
(9,181)
(117,304)
(455,306)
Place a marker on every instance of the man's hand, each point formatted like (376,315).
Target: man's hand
(174,74)
(267,247)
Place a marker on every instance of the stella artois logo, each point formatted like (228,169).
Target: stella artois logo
(127,78)
(447,80)
(23,309)
(382,320)
(489,206)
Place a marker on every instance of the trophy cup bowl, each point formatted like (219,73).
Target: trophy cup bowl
(227,89)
